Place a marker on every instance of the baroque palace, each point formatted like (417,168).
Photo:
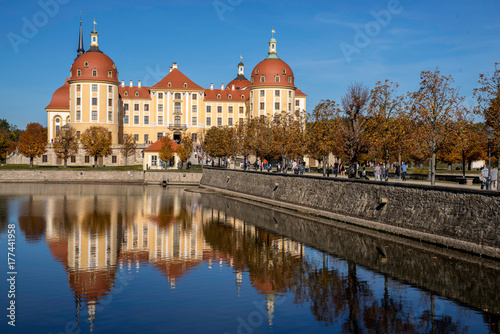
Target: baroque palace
(174,106)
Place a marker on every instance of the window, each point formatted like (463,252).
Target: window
(230,96)
(57,130)
(230,109)
(219,109)
(185,85)
(78,101)
(289,107)
(136,93)
(94,101)
(136,137)
(251,107)
(194,108)
(94,115)
(87,159)
(136,107)
(110,89)
(146,107)
(169,85)
(262,106)
(230,121)
(136,121)
(78,87)
(277,93)
(94,88)
(177,106)
(159,135)
(160,95)
(160,107)
(209,121)
(110,102)
(242,96)
(73,159)
(94,73)
(86,64)
(177,120)
(78,115)
(242,110)
(110,116)
(194,121)
(77,134)
(126,93)
(284,71)
(277,106)
(113,159)
(125,119)
(289,80)
(194,137)
(177,96)
(78,72)
(218,96)
(251,94)
(209,108)
(251,80)
(110,74)
(160,120)
(262,78)
(262,93)
(146,119)
(290,93)
(257,71)
(146,138)
(154,160)
(297,103)
(277,78)
(194,96)
(241,120)
(219,121)
(125,107)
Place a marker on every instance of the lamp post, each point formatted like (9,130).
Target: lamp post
(490,134)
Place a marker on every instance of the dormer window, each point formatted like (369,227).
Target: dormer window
(289,79)
(229,96)
(126,93)
(136,93)
(94,72)
(242,96)
(78,72)
(251,79)
(218,96)
(114,67)
(284,71)
(262,78)
(257,71)
(86,64)
(185,85)
(169,85)
(277,78)
(110,74)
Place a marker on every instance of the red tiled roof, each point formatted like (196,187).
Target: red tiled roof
(238,83)
(177,80)
(60,98)
(270,68)
(211,95)
(143,93)
(96,60)
(156,146)
(298,92)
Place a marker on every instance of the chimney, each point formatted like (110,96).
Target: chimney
(232,87)
(174,65)
(139,84)
(170,69)
(221,86)
(123,83)
(211,86)
(131,85)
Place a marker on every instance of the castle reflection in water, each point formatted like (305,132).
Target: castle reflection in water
(92,237)
(100,232)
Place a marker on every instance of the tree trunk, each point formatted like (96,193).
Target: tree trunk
(31,162)
(324,165)
(95,161)
(126,158)
(65,162)
(463,163)
(433,172)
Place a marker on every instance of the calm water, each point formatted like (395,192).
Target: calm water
(134,259)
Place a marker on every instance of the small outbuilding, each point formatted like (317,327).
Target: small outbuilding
(152,159)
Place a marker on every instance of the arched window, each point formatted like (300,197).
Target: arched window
(94,72)
(78,72)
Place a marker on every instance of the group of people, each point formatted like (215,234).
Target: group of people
(487,180)
(381,171)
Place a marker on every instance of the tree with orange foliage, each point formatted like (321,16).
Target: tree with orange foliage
(66,144)
(185,149)
(96,141)
(33,141)
(433,107)
(166,150)
(128,147)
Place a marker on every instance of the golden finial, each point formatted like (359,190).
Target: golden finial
(241,57)
(94,24)
(80,16)
(273,31)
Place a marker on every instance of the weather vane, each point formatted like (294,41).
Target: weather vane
(94,24)
(273,32)
(241,57)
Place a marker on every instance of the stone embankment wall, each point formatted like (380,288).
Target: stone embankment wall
(96,176)
(454,217)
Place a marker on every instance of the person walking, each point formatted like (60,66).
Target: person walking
(336,167)
(397,171)
(404,168)
(342,169)
(377,172)
(382,172)
(484,178)
(494,178)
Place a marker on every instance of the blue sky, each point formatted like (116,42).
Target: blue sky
(322,41)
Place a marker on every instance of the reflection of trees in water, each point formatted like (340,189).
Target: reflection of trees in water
(30,221)
(332,294)
(4,214)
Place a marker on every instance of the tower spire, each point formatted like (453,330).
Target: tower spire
(80,49)
(94,45)
(273,54)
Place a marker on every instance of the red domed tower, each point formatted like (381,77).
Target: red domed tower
(272,85)
(93,90)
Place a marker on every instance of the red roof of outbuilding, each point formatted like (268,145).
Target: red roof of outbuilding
(177,79)
(143,93)
(95,60)
(60,98)
(236,95)
(156,146)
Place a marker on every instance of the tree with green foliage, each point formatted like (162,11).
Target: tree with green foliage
(66,144)
(96,141)
(33,141)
